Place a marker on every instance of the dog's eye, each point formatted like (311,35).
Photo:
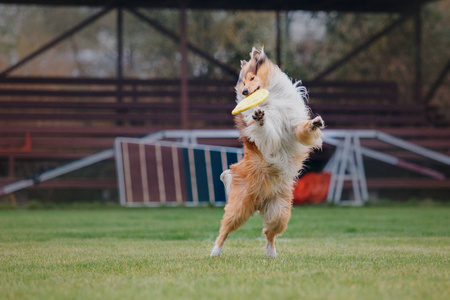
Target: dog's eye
(252,78)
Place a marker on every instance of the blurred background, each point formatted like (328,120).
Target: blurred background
(74,75)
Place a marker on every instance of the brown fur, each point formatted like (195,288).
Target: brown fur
(307,134)
(256,185)
(255,73)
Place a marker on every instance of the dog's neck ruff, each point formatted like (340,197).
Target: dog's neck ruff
(284,110)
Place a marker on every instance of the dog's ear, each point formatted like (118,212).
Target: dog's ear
(257,54)
(243,63)
(254,55)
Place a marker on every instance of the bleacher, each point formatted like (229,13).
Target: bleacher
(45,122)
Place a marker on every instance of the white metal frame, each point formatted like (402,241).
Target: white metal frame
(347,161)
(345,164)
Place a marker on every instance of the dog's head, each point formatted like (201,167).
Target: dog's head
(255,73)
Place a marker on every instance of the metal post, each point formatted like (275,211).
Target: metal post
(333,169)
(278,17)
(360,168)
(184,70)
(354,177)
(418,58)
(119,66)
(341,175)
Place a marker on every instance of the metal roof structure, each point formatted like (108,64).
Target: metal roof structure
(378,6)
(406,9)
(181,89)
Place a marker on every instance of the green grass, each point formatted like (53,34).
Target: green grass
(163,253)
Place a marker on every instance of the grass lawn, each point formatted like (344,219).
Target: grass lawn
(163,253)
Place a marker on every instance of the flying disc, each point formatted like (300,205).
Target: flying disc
(256,98)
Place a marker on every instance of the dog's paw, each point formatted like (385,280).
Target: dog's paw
(258,116)
(317,122)
(216,251)
(271,252)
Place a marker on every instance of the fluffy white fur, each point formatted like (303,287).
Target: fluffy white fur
(283,136)
(216,251)
(271,252)
(284,109)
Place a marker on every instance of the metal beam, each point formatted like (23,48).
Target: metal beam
(418,55)
(119,66)
(442,158)
(437,83)
(390,159)
(361,47)
(119,60)
(78,164)
(57,40)
(229,70)
(184,70)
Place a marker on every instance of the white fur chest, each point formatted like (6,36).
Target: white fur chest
(283,111)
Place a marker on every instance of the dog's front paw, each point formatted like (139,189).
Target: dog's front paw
(317,122)
(258,116)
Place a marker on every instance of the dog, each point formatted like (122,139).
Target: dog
(277,137)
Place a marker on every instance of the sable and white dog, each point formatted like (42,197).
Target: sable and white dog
(278,136)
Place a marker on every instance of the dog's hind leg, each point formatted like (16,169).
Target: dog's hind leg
(276,215)
(226,179)
(236,214)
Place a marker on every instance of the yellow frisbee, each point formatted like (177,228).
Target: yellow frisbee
(256,98)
